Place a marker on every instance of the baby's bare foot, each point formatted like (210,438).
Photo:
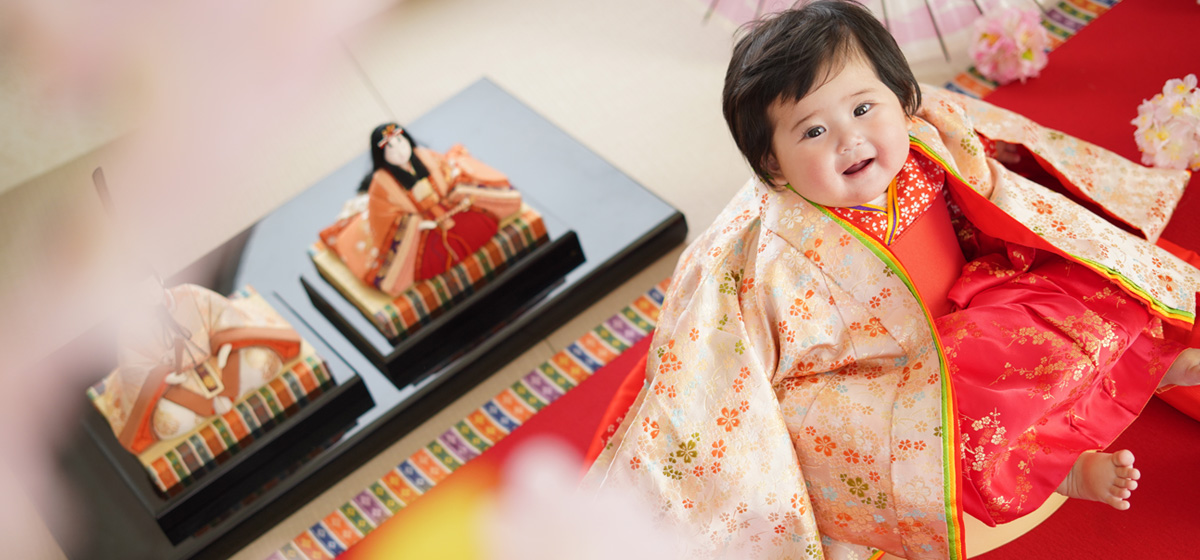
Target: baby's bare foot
(1185,370)
(1102,477)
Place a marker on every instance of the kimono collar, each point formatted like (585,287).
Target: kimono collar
(849,257)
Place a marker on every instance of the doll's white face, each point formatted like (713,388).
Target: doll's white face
(840,145)
(397,151)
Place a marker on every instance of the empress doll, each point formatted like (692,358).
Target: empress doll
(422,213)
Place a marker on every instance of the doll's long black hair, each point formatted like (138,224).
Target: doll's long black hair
(403,177)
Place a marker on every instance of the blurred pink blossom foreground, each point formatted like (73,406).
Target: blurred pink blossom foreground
(1168,126)
(540,514)
(207,91)
(1010,44)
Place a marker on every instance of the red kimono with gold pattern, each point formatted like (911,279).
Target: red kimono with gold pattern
(1048,358)
(799,398)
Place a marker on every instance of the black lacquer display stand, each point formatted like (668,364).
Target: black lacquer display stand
(620,227)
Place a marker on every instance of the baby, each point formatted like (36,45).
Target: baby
(902,341)
(839,138)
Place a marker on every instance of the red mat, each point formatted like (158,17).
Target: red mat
(1091,89)
(1163,521)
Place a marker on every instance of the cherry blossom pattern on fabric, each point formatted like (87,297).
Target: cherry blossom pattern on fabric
(917,186)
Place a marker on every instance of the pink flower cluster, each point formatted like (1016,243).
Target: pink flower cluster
(1168,126)
(1010,44)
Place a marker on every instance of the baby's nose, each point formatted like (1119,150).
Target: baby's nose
(851,142)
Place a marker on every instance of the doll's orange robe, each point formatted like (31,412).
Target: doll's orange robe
(409,235)
(799,399)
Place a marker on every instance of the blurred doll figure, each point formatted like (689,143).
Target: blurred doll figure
(422,212)
(196,356)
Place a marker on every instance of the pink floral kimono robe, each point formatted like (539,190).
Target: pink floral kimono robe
(799,403)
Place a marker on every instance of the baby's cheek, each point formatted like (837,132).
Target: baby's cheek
(805,178)
(897,153)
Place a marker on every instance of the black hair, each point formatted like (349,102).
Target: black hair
(406,179)
(787,55)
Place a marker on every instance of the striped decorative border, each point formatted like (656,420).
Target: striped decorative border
(1062,21)
(222,437)
(471,436)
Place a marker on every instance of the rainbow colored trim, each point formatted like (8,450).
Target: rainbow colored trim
(890,207)
(950,443)
(427,300)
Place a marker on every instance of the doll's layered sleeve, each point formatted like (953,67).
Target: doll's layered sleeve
(479,184)
(393,229)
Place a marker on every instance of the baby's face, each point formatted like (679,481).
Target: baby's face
(842,143)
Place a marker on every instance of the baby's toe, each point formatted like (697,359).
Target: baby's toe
(1126,483)
(1129,473)
(1123,458)
(1117,503)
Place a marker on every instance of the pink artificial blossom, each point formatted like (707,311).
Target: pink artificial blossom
(1168,126)
(1010,45)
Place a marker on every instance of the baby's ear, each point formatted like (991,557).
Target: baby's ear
(771,165)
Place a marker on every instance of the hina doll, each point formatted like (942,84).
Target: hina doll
(423,212)
(193,358)
(888,329)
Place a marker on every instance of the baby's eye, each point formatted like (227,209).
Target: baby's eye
(814,132)
(862,109)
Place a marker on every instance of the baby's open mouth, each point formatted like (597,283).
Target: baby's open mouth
(858,166)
